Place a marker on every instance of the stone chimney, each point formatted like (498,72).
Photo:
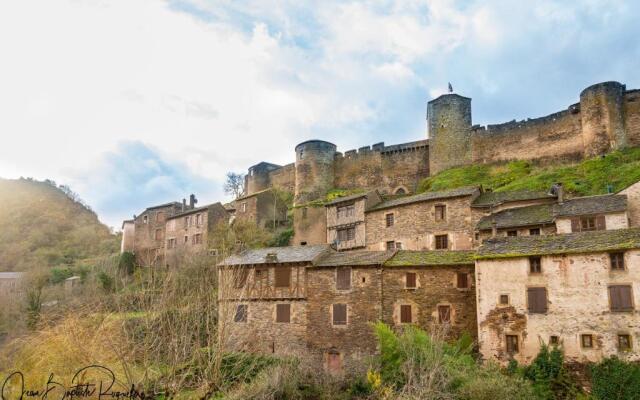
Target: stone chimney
(184,204)
(192,201)
(494,228)
(560,192)
(271,257)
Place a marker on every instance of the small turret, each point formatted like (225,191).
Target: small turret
(314,170)
(601,109)
(449,123)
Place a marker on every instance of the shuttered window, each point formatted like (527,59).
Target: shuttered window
(617,261)
(537,300)
(346,211)
(621,298)
(405,314)
(343,278)
(512,344)
(241,313)
(589,223)
(535,265)
(441,212)
(391,245)
(442,242)
(463,280)
(339,314)
(410,278)
(624,342)
(586,341)
(346,234)
(283,277)
(444,314)
(389,219)
(283,313)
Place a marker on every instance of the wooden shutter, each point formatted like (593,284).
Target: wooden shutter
(283,312)
(600,223)
(537,299)
(621,298)
(444,314)
(411,280)
(463,281)
(575,224)
(405,314)
(343,278)
(283,277)
(339,314)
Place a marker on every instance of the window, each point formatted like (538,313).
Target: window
(186,239)
(586,341)
(304,212)
(512,344)
(554,340)
(391,246)
(283,313)
(261,277)
(410,280)
(398,246)
(389,219)
(442,242)
(620,298)
(444,314)
(537,300)
(187,221)
(346,211)
(405,314)
(240,277)
(145,219)
(535,265)
(197,238)
(283,277)
(334,361)
(158,234)
(617,261)
(462,280)
(441,212)
(243,207)
(198,219)
(339,314)
(588,224)
(241,313)
(504,299)
(624,342)
(171,243)
(346,234)
(400,191)
(343,278)
(534,232)
(512,233)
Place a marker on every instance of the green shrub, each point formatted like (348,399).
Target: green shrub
(59,274)
(106,281)
(550,378)
(126,263)
(613,378)
(281,239)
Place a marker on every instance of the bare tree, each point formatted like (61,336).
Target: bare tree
(234,184)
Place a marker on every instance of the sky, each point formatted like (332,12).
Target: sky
(134,103)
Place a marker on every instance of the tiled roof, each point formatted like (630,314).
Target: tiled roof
(582,242)
(426,196)
(291,254)
(521,216)
(355,258)
(488,199)
(253,194)
(194,210)
(172,203)
(347,198)
(406,258)
(606,203)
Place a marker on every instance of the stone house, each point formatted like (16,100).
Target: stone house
(492,202)
(10,283)
(345,219)
(264,208)
(427,221)
(149,233)
(128,233)
(580,290)
(188,232)
(633,197)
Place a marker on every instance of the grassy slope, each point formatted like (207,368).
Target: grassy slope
(589,177)
(42,226)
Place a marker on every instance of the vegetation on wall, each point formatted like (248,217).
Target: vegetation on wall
(614,171)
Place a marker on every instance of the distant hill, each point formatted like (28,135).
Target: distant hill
(42,224)
(615,171)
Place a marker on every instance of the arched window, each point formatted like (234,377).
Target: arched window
(400,191)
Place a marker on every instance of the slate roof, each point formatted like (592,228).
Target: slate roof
(291,254)
(194,210)
(606,203)
(172,203)
(488,199)
(253,194)
(581,242)
(426,196)
(11,275)
(407,258)
(521,216)
(347,198)
(355,258)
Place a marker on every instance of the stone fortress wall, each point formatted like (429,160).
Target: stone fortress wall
(606,118)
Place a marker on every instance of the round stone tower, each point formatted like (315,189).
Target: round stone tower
(449,123)
(601,110)
(257,178)
(314,170)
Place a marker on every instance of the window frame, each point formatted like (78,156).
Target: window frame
(537,262)
(631,306)
(437,241)
(501,297)
(277,283)
(515,346)
(402,313)
(512,233)
(532,289)
(347,271)
(583,345)
(537,230)
(406,280)
(466,280)
(390,220)
(588,219)
(449,309)
(617,259)
(628,339)
(390,245)
(333,314)
(440,212)
(280,307)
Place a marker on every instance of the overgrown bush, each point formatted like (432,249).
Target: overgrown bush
(126,263)
(59,274)
(550,378)
(613,378)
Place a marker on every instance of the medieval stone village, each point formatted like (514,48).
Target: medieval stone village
(515,270)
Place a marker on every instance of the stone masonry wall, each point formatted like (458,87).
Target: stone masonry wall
(633,201)
(632,117)
(578,303)
(415,225)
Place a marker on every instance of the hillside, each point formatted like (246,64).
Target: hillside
(46,225)
(616,171)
